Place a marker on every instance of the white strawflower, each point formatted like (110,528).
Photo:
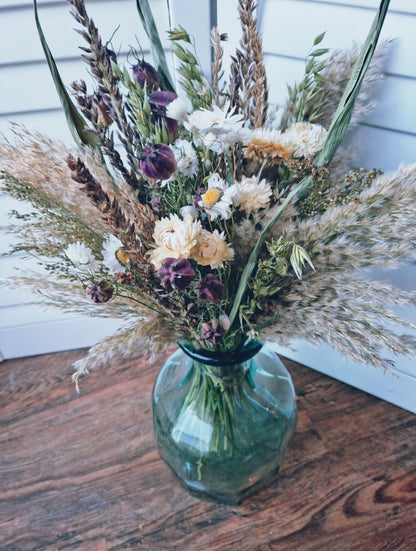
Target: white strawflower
(216,129)
(81,257)
(224,322)
(252,194)
(186,157)
(189,210)
(175,238)
(218,199)
(215,120)
(305,138)
(111,247)
(212,249)
(176,109)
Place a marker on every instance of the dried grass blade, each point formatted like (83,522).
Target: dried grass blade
(252,261)
(75,121)
(342,116)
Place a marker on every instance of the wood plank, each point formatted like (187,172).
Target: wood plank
(81,471)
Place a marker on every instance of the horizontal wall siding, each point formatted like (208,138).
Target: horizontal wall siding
(28,96)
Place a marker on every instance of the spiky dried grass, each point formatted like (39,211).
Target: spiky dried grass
(376,228)
(34,158)
(333,304)
(348,314)
(152,335)
(248,89)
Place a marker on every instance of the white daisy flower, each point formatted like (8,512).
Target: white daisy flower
(217,201)
(111,259)
(81,257)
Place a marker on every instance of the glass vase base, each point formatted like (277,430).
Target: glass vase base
(223,430)
(198,490)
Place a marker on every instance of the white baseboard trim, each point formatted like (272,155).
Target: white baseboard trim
(54,336)
(397,387)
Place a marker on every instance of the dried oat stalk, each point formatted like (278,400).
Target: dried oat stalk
(248,88)
(134,235)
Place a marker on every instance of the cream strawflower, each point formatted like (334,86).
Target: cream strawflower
(212,249)
(215,120)
(267,144)
(175,238)
(252,194)
(305,138)
(81,257)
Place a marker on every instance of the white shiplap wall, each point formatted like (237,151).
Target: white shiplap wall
(28,96)
(388,135)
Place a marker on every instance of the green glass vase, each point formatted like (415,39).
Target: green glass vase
(222,421)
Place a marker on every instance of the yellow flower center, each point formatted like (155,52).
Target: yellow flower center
(211,197)
(122,256)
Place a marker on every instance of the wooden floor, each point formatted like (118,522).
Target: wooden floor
(81,472)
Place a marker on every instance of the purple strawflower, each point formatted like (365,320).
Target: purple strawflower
(158,102)
(212,331)
(157,162)
(211,289)
(146,75)
(175,273)
(100,292)
(161,98)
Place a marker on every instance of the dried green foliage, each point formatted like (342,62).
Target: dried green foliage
(193,80)
(306,98)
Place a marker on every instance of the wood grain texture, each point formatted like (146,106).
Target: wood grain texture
(81,472)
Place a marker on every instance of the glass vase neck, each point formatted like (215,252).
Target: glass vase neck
(217,358)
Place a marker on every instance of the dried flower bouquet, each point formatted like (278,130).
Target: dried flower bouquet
(190,213)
